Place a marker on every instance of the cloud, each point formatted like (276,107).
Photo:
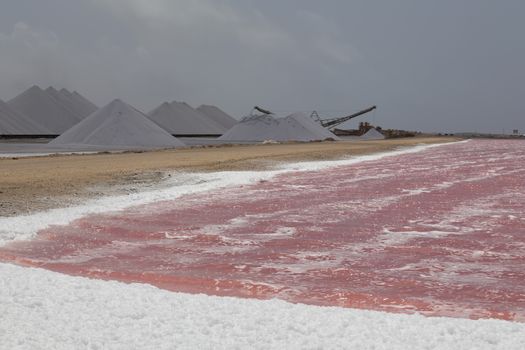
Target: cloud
(198,51)
(214,51)
(324,37)
(220,21)
(195,19)
(31,39)
(31,56)
(28,55)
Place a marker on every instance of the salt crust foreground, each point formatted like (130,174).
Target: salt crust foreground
(46,310)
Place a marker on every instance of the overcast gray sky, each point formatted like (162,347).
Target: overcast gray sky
(434,65)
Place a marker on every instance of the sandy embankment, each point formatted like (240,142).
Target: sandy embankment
(31,184)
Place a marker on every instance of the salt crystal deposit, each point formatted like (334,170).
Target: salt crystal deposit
(295,127)
(14,123)
(73,104)
(117,124)
(372,134)
(311,126)
(46,109)
(178,118)
(218,115)
(87,104)
(48,310)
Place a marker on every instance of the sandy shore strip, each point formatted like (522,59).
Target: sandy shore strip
(39,183)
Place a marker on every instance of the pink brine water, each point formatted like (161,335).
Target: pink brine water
(440,232)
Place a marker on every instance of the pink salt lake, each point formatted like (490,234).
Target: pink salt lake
(440,232)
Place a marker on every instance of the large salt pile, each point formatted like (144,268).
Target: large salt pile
(14,123)
(117,124)
(179,118)
(253,128)
(76,105)
(218,115)
(372,134)
(81,100)
(317,131)
(50,108)
(295,127)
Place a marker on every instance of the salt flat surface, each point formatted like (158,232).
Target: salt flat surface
(8,150)
(42,154)
(46,310)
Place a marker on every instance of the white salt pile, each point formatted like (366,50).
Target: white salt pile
(117,124)
(51,108)
(75,105)
(14,123)
(89,106)
(295,127)
(218,115)
(179,118)
(372,134)
(312,126)
(253,128)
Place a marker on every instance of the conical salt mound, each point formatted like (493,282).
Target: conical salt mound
(311,129)
(84,102)
(218,115)
(41,107)
(117,124)
(14,123)
(295,127)
(253,128)
(372,134)
(178,118)
(73,104)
